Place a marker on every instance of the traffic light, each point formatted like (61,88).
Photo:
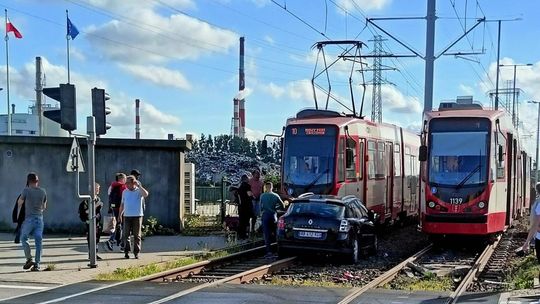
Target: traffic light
(100,111)
(67,115)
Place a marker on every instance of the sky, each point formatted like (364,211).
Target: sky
(181,59)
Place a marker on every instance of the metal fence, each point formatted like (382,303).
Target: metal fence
(208,201)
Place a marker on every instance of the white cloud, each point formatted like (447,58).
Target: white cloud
(269,39)
(76,54)
(144,36)
(365,5)
(158,75)
(255,135)
(467,90)
(155,123)
(394,101)
(273,89)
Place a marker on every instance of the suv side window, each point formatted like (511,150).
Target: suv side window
(361,209)
(349,213)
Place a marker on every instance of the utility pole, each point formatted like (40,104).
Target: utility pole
(377,81)
(537,138)
(430,56)
(515,109)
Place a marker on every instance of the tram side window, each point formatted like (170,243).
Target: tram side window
(341,160)
(372,151)
(500,165)
(361,160)
(397,160)
(380,168)
(350,159)
(408,161)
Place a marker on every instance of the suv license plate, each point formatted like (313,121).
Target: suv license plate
(310,234)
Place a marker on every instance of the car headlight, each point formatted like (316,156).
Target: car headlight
(481,205)
(431,204)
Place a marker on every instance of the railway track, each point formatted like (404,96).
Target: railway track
(468,265)
(242,267)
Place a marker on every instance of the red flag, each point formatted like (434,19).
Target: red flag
(11,28)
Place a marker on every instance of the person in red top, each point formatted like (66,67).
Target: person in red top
(115,198)
(256,189)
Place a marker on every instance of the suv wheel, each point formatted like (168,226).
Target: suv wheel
(353,256)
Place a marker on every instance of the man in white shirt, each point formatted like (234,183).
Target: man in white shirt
(534,231)
(131,212)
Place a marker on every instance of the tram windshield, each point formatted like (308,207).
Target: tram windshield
(458,152)
(308,159)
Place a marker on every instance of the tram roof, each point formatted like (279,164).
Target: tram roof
(490,114)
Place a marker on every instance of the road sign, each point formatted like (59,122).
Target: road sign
(75,161)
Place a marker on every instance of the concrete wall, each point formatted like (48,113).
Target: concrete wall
(160,162)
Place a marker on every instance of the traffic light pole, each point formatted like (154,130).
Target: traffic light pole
(91,130)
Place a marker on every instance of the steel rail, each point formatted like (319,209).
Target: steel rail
(478,266)
(384,278)
(188,270)
(237,278)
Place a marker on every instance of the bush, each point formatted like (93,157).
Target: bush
(151,227)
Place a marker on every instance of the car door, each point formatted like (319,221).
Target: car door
(367,228)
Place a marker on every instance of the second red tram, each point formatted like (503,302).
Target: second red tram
(475,178)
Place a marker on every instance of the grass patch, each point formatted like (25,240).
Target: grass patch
(523,272)
(430,283)
(122,274)
(50,267)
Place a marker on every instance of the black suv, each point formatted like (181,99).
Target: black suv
(329,224)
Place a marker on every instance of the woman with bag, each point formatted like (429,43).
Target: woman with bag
(83,214)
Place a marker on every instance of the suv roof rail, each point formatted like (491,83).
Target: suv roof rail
(348,197)
(306,194)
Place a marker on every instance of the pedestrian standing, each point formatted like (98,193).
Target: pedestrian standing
(245,208)
(84,212)
(270,203)
(256,185)
(131,213)
(35,202)
(534,230)
(115,199)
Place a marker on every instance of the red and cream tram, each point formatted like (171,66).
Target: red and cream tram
(475,178)
(326,152)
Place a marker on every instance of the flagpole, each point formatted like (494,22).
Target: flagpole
(7,78)
(67,42)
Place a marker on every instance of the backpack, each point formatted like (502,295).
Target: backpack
(83,211)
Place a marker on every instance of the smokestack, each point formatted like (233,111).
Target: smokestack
(137,120)
(39,101)
(239,115)
(241,87)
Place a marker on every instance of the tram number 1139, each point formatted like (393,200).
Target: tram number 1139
(456,200)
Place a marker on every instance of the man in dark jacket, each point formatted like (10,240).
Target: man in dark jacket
(245,209)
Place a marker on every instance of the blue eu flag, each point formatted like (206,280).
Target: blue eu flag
(71,29)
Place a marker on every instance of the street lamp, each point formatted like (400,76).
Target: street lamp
(537,137)
(514,90)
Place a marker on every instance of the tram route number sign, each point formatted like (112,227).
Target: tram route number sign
(310,131)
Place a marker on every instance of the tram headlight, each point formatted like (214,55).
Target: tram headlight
(431,204)
(481,205)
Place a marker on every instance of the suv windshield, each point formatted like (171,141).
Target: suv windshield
(316,208)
